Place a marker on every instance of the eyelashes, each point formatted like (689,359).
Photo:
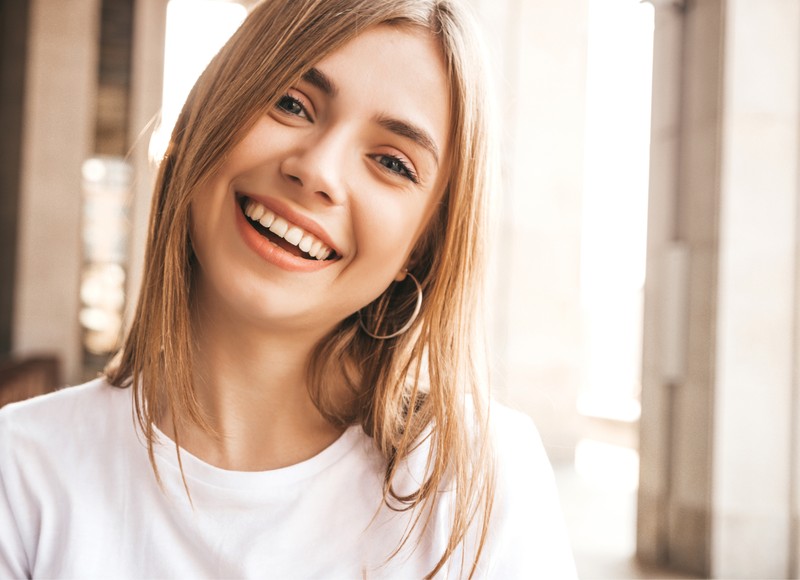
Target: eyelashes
(295,107)
(396,165)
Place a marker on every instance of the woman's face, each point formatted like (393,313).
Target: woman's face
(349,167)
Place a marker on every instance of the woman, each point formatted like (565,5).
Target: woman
(300,366)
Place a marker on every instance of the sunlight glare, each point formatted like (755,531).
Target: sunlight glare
(614,230)
(196,30)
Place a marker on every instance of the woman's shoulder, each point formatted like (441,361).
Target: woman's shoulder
(528,532)
(44,439)
(72,412)
(507,422)
(61,454)
(517,443)
(523,469)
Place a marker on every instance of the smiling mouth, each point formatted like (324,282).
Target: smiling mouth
(284,234)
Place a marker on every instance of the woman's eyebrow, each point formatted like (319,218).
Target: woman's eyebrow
(323,82)
(320,80)
(412,132)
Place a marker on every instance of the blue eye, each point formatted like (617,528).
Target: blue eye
(292,106)
(396,165)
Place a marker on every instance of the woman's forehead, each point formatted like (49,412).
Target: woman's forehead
(398,75)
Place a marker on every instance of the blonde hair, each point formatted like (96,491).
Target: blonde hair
(404,389)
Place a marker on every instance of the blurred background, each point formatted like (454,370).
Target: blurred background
(645,268)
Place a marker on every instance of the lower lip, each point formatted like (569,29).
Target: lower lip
(271,253)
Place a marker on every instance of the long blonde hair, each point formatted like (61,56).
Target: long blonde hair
(424,383)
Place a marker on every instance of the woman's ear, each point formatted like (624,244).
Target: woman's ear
(412,262)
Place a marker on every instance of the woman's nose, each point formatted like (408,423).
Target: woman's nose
(316,168)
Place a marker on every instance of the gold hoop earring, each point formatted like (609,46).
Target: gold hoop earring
(407,325)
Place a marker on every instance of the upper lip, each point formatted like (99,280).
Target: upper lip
(281,208)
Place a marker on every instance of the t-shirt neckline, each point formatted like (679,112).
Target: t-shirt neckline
(196,469)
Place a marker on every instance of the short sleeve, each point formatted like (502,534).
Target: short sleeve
(529,530)
(13,560)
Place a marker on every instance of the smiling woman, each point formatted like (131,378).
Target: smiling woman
(301,364)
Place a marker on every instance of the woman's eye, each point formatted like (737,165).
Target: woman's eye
(396,165)
(293,106)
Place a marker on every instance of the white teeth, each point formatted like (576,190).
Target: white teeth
(314,248)
(250,208)
(257,212)
(267,219)
(294,235)
(279,227)
(305,243)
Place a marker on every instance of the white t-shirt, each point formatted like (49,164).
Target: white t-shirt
(78,498)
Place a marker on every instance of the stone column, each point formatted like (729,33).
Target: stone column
(719,439)
(58,132)
(753,486)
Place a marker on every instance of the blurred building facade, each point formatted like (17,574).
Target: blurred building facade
(719,490)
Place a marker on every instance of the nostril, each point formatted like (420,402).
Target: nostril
(325,196)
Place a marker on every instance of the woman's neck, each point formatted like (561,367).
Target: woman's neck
(252,386)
